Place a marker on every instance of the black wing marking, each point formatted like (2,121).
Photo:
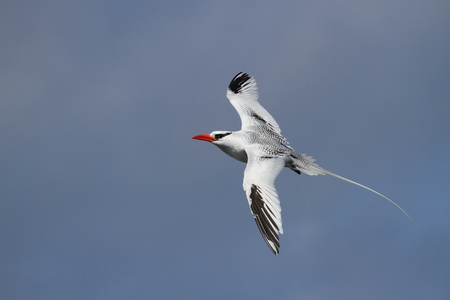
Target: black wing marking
(264,220)
(239,82)
(264,122)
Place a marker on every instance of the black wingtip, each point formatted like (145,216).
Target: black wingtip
(239,82)
(262,215)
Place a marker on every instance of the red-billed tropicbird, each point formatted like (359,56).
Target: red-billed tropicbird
(260,144)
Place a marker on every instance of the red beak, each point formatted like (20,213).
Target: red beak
(204,137)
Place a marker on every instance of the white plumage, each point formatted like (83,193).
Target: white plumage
(260,144)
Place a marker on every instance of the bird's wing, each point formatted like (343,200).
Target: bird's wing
(243,95)
(259,186)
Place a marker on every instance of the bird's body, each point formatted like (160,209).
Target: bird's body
(260,144)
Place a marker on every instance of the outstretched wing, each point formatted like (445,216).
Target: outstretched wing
(243,95)
(259,186)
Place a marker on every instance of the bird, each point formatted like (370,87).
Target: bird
(266,152)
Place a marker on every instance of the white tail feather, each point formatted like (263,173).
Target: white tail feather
(367,188)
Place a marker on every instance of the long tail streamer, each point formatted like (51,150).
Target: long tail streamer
(367,188)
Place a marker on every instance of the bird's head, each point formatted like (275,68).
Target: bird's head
(213,137)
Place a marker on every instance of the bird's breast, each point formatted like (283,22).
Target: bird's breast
(236,153)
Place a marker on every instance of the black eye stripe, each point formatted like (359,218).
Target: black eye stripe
(221,135)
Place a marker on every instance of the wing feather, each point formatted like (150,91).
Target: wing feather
(259,185)
(243,95)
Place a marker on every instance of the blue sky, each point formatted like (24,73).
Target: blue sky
(105,195)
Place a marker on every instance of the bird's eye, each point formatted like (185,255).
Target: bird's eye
(218,136)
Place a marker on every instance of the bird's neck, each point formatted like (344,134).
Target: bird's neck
(234,148)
